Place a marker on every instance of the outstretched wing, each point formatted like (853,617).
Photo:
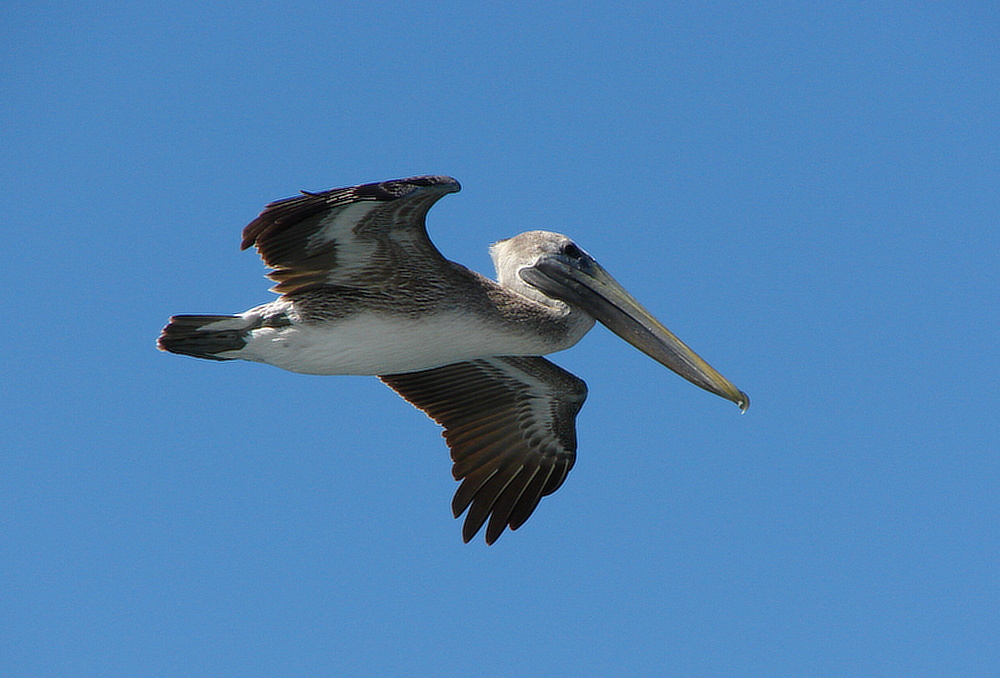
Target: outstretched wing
(511,425)
(349,236)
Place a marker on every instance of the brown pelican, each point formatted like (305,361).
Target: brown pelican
(364,291)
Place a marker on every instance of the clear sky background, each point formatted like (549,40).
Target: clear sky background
(806,193)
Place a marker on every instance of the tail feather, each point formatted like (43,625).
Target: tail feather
(205,336)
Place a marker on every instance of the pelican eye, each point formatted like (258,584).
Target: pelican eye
(572,251)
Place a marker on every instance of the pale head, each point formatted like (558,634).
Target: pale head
(523,251)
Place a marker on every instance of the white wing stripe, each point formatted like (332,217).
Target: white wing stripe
(339,222)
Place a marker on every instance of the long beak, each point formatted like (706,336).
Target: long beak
(592,289)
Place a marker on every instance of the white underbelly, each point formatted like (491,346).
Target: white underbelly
(373,344)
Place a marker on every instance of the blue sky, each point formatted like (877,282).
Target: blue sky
(806,193)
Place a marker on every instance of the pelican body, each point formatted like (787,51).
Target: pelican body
(364,291)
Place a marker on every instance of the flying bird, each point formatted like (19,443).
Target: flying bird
(364,291)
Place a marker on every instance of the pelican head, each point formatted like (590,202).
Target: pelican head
(545,266)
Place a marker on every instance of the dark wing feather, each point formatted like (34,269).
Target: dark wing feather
(348,236)
(511,425)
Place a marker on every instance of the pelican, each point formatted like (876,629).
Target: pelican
(364,291)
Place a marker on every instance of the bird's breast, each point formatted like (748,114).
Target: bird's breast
(374,343)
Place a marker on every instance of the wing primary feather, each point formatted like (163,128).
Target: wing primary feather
(506,502)
(557,479)
(467,491)
(485,499)
(529,498)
